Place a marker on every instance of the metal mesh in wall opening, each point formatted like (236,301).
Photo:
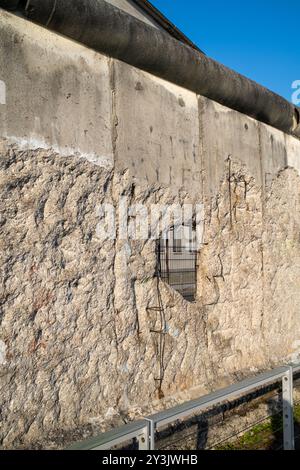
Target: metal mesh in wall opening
(177,263)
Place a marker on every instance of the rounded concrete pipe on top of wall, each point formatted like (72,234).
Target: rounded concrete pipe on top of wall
(107,29)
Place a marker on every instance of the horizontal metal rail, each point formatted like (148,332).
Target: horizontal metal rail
(296,369)
(225,394)
(107,440)
(144,430)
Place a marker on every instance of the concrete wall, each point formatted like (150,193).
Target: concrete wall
(77,352)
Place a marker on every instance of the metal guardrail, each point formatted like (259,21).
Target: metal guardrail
(137,429)
(296,369)
(144,429)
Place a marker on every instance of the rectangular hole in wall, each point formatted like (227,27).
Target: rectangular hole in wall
(177,261)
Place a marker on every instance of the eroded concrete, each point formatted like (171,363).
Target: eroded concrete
(77,349)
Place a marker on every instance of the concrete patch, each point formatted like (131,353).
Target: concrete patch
(2,92)
(2,353)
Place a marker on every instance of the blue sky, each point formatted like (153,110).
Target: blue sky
(260,39)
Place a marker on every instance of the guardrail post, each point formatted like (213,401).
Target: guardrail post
(151,433)
(144,439)
(287,410)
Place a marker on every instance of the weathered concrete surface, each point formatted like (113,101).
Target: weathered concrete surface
(227,134)
(75,328)
(293,152)
(57,92)
(76,348)
(74,323)
(249,270)
(157,135)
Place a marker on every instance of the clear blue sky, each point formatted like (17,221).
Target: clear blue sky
(258,38)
